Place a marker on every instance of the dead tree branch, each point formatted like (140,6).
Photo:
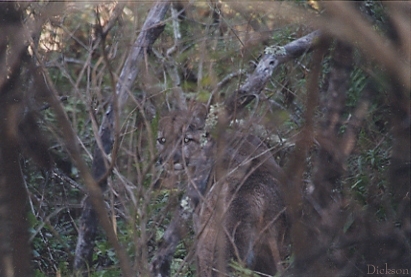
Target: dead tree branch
(273,57)
(108,131)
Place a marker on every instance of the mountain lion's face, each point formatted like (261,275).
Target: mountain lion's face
(178,139)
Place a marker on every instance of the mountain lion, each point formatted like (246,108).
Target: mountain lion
(232,196)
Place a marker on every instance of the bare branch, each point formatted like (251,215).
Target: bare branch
(273,57)
(151,29)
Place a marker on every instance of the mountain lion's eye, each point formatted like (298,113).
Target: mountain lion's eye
(187,139)
(161,140)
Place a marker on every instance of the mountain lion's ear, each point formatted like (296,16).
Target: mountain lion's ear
(199,112)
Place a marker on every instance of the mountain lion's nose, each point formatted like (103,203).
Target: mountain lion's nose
(176,158)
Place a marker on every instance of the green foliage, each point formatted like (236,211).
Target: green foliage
(241,271)
(214,48)
(107,273)
(358,82)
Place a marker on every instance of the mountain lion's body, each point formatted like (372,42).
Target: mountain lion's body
(233,191)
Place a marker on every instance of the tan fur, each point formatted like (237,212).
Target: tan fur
(233,184)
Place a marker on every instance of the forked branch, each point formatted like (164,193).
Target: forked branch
(272,58)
